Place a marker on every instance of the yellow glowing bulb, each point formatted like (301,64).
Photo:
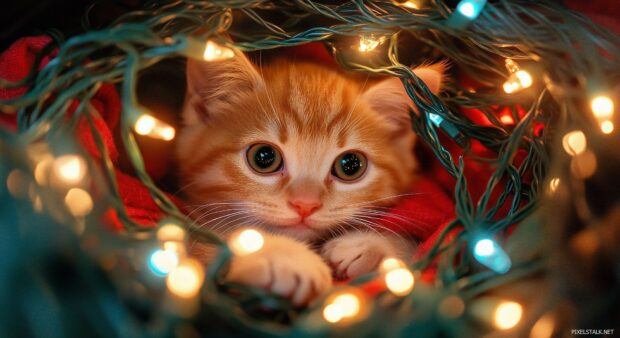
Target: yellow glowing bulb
(507,315)
(186,278)
(399,281)
(344,305)
(79,202)
(333,313)
(216,52)
(349,304)
(543,328)
(525,79)
(574,142)
(554,183)
(149,126)
(41,171)
(70,168)
(368,43)
(391,263)
(607,127)
(246,242)
(602,107)
(171,232)
(409,4)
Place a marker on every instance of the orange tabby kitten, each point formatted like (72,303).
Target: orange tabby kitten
(305,153)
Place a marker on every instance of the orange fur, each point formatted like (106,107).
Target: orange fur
(312,114)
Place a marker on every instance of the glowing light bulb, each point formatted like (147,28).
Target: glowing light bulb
(554,183)
(349,303)
(506,119)
(409,4)
(574,142)
(150,126)
(42,169)
(391,263)
(333,313)
(607,127)
(171,232)
(186,279)
(345,305)
(525,79)
(216,52)
(602,107)
(162,262)
(79,202)
(368,43)
(70,168)
(399,281)
(246,242)
(470,8)
(491,255)
(543,328)
(507,315)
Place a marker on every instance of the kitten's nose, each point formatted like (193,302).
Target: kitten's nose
(305,208)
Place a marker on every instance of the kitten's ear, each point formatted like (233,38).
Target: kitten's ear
(209,83)
(390,99)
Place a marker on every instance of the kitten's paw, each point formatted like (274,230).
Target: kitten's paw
(284,267)
(355,254)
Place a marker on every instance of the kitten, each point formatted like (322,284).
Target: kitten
(305,153)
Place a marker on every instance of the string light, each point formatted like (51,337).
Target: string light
(518,79)
(171,232)
(602,107)
(79,202)
(216,52)
(554,183)
(543,328)
(42,169)
(574,142)
(391,263)
(246,242)
(162,262)
(507,315)
(466,11)
(150,126)
(409,4)
(369,43)
(607,127)
(399,281)
(342,306)
(491,255)
(186,279)
(69,169)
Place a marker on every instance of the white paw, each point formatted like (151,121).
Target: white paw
(355,254)
(284,267)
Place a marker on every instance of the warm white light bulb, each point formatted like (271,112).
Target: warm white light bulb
(507,315)
(162,262)
(344,305)
(574,142)
(607,127)
(246,242)
(524,78)
(150,126)
(216,52)
(399,281)
(602,107)
(70,168)
(79,202)
(186,279)
(368,43)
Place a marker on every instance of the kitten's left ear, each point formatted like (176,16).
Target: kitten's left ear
(390,99)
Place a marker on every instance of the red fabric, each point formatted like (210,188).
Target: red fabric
(15,64)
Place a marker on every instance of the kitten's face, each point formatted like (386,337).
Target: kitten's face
(295,148)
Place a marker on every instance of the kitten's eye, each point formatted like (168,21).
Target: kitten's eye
(264,158)
(349,166)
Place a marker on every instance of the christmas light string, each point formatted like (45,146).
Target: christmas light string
(483,39)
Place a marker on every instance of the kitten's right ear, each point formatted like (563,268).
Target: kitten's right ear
(210,83)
